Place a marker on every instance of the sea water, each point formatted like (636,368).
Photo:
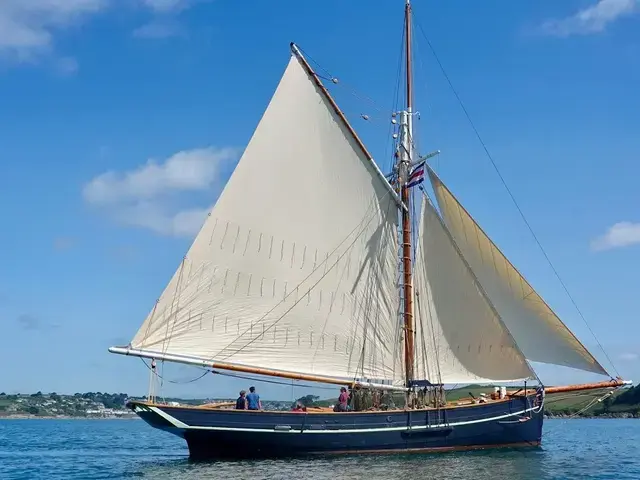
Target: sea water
(116,449)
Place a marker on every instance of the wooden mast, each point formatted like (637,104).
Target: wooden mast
(406,215)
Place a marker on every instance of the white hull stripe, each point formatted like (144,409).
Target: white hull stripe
(178,424)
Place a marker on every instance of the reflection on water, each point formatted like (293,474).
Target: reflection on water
(507,464)
(114,449)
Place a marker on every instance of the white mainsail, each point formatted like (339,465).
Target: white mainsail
(459,336)
(295,269)
(538,331)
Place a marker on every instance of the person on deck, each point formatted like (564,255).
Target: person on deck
(253,400)
(241,402)
(343,401)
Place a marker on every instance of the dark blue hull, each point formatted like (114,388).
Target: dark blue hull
(213,433)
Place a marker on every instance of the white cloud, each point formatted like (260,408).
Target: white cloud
(161,218)
(145,196)
(27,27)
(164,23)
(186,170)
(593,19)
(629,357)
(621,234)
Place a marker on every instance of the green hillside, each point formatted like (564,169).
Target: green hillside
(622,403)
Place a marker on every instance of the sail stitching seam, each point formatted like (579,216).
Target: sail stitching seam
(370,212)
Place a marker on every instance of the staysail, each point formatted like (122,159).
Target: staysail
(459,336)
(295,268)
(538,331)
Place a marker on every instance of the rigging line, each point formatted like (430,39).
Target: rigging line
(419,70)
(243,377)
(365,303)
(174,301)
(238,350)
(336,81)
(431,320)
(415,226)
(394,103)
(367,300)
(513,199)
(362,98)
(324,326)
(248,329)
(310,58)
(398,333)
(300,299)
(482,290)
(266,380)
(579,412)
(348,249)
(424,344)
(555,399)
(390,205)
(153,312)
(162,379)
(415,239)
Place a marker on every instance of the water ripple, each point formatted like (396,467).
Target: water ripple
(119,449)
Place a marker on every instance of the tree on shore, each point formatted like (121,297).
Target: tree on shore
(308,400)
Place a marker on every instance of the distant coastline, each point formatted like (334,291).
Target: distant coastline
(65,417)
(606,416)
(624,403)
(52,405)
(617,416)
(89,405)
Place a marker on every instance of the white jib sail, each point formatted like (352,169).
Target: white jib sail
(538,331)
(459,335)
(295,268)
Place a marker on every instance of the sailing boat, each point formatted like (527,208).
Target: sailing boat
(312,276)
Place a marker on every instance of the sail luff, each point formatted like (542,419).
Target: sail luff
(463,336)
(311,72)
(483,293)
(539,332)
(298,285)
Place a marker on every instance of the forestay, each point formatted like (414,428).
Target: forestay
(460,337)
(295,268)
(538,331)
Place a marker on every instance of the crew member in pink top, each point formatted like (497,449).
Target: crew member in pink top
(343,400)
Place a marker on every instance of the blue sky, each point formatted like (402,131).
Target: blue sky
(105,103)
